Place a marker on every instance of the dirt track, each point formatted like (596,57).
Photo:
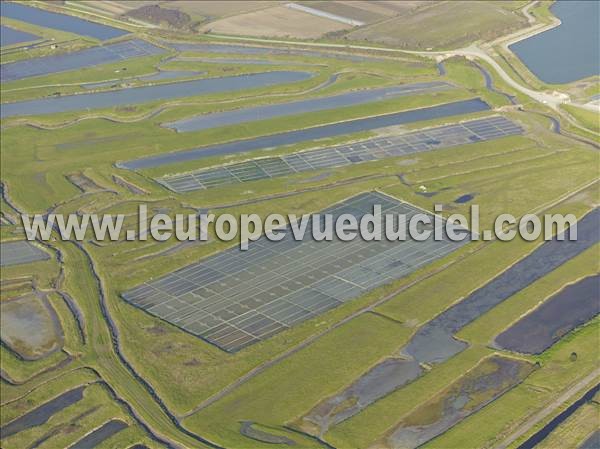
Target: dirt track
(549,409)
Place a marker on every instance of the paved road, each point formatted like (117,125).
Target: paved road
(551,99)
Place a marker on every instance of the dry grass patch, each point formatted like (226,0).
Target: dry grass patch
(445,25)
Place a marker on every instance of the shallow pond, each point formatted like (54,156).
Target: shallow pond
(145,94)
(29,326)
(57,21)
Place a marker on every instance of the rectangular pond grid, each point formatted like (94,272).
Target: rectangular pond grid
(236,298)
(339,156)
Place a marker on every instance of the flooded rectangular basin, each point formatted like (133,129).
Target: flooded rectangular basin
(354,98)
(490,379)
(88,57)
(12,36)
(57,21)
(101,434)
(318,132)
(138,95)
(573,306)
(43,413)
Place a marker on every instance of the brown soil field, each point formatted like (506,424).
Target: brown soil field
(365,11)
(277,21)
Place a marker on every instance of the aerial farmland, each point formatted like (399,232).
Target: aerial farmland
(171,176)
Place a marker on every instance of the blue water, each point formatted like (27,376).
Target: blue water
(464,199)
(206,121)
(318,132)
(88,57)
(62,22)
(569,52)
(10,36)
(146,94)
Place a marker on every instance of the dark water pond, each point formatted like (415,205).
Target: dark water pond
(96,437)
(43,413)
(137,95)
(318,132)
(568,52)
(10,36)
(571,307)
(62,22)
(435,342)
(464,198)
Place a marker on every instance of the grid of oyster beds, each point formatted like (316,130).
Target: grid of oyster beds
(102,54)
(342,155)
(237,298)
(20,252)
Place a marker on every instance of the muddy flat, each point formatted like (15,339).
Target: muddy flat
(29,327)
(379,381)
(490,379)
